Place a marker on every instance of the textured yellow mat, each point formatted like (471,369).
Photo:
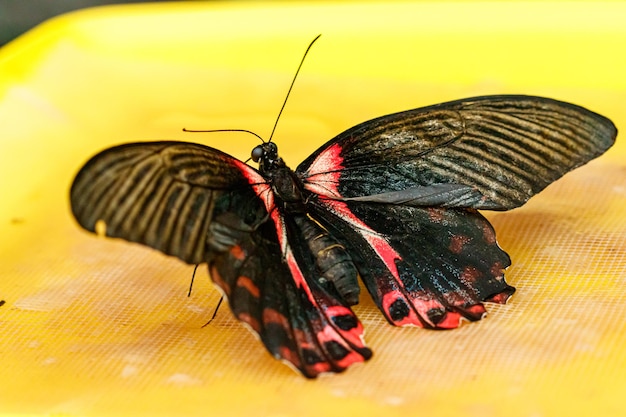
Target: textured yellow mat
(99,327)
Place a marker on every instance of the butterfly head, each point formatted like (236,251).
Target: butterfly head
(266,155)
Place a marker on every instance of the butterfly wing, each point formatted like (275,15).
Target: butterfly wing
(400,192)
(297,319)
(491,152)
(160,194)
(201,205)
(427,267)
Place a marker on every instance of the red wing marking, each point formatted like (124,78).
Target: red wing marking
(272,316)
(321,367)
(404,318)
(349,359)
(258,183)
(457,243)
(377,242)
(435,214)
(290,356)
(353,334)
(489,234)
(330,332)
(249,285)
(251,321)
(323,174)
(237,253)
(217,278)
(426,310)
(265,193)
(497,270)
(424,305)
(478,310)
(469,276)
(501,297)
(450,321)
(322,178)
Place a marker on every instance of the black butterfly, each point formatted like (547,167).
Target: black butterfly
(393,201)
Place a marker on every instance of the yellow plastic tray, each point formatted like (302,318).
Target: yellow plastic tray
(99,327)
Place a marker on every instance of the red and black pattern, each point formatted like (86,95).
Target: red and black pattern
(393,201)
(439,266)
(299,321)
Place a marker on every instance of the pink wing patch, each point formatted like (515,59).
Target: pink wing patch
(323,174)
(322,179)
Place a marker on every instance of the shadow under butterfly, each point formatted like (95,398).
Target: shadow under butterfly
(392,200)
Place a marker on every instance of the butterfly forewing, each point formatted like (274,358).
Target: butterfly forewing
(161,194)
(491,152)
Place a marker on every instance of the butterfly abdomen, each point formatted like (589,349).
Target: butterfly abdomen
(331,259)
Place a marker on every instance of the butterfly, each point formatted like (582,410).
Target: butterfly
(392,202)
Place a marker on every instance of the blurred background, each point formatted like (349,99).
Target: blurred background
(18,16)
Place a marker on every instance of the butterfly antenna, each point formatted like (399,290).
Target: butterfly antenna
(277,118)
(291,86)
(223,130)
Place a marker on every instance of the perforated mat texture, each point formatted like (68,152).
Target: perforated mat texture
(98,327)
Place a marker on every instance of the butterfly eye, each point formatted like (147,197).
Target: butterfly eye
(257,153)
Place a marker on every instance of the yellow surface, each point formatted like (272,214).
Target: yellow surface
(99,327)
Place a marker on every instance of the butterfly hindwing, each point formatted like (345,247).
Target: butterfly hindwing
(274,287)
(422,266)
(491,152)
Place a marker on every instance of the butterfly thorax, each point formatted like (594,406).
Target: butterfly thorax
(284,181)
